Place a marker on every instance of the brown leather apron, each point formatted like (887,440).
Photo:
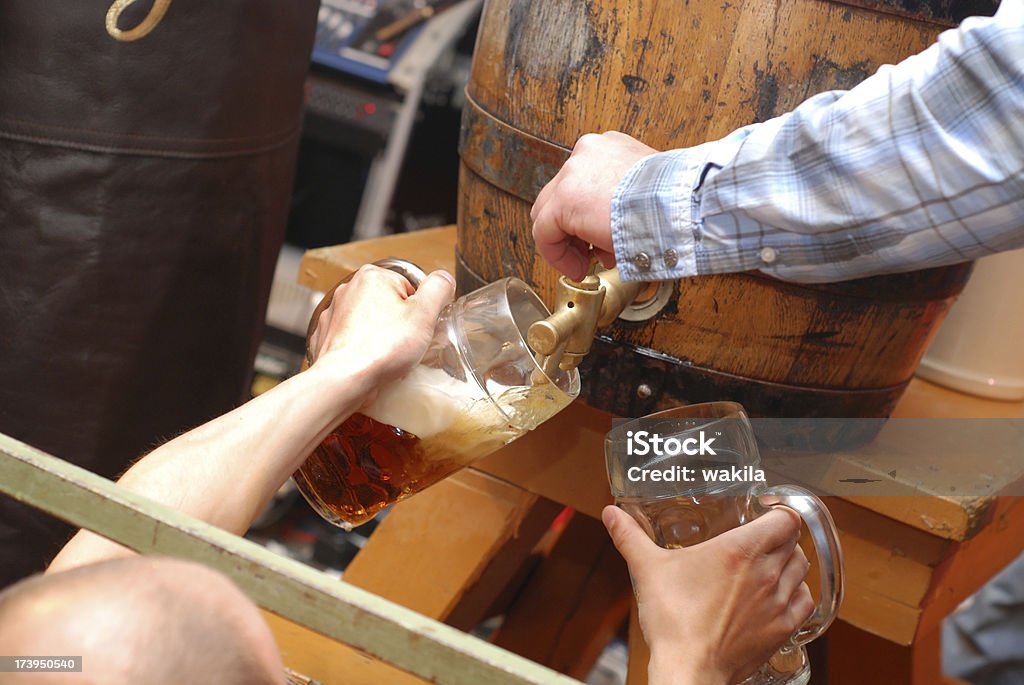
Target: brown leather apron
(146,160)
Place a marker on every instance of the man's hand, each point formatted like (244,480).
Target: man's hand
(714,612)
(379,318)
(573,211)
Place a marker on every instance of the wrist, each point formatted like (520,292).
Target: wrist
(327,392)
(676,667)
(346,373)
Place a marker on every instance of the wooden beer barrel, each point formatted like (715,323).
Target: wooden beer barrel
(675,74)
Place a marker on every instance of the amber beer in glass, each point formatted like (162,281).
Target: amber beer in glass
(477,388)
(690,473)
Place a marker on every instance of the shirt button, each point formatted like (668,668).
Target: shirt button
(642,261)
(768,255)
(671,258)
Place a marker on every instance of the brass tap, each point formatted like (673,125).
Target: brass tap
(565,337)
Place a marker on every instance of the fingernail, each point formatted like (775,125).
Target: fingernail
(447,276)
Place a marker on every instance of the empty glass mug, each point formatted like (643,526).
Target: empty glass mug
(477,388)
(690,473)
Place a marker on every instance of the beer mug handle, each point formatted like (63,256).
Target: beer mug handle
(826,544)
(412,273)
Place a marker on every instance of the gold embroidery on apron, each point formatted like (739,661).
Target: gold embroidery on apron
(156,13)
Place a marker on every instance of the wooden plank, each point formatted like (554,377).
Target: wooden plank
(972,563)
(430,249)
(910,500)
(506,571)
(386,631)
(937,475)
(327,661)
(431,549)
(891,620)
(562,459)
(948,518)
(574,603)
(888,570)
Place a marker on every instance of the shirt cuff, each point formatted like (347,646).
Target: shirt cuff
(655,226)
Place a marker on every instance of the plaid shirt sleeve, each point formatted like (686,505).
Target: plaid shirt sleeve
(920,165)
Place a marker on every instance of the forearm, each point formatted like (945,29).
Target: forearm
(225,471)
(917,166)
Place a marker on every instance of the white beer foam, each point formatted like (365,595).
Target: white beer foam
(426,402)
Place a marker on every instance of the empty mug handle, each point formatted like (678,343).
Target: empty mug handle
(412,273)
(826,543)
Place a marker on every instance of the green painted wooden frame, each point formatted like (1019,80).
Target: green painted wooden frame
(382,629)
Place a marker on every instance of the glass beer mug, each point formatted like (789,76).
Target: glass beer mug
(690,473)
(477,388)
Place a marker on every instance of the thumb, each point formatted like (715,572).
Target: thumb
(627,536)
(435,292)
